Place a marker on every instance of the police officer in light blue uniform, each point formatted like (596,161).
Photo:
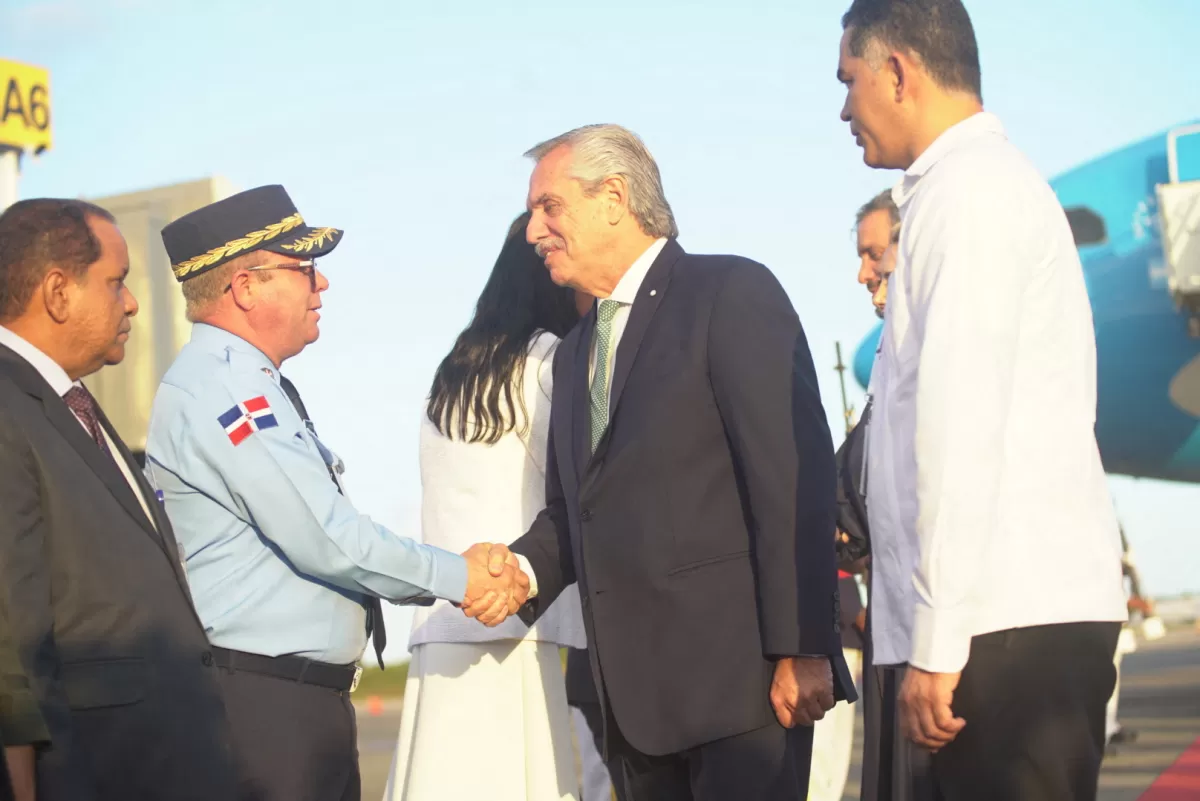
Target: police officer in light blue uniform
(285,572)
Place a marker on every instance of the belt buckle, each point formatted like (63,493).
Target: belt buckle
(357,676)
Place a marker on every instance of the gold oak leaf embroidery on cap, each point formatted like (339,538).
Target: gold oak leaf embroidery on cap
(314,239)
(250,240)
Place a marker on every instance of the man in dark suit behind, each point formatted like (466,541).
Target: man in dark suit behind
(690,490)
(92,591)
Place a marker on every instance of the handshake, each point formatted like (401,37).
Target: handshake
(496,585)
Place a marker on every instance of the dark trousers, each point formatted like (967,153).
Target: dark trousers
(595,721)
(1033,700)
(768,764)
(894,769)
(6,791)
(293,742)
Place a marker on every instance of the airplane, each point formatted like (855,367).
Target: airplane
(1135,214)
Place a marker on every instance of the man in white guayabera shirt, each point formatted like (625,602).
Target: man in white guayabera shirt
(996,557)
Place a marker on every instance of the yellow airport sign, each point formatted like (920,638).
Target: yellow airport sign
(25,108)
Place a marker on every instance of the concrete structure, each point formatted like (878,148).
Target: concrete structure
(126,391)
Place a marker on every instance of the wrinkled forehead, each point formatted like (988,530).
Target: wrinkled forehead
(848,63)
(844,56)
(550,178)
(875,228)
(539,183)
(111,240)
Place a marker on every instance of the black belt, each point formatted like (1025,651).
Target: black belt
(343,678)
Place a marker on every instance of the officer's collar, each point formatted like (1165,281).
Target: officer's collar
(210,337)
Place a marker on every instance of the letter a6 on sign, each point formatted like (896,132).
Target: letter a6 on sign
(25,108)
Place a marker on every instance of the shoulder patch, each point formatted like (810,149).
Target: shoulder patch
(246,418)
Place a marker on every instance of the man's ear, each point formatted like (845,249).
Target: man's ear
(54,293)
(901,72)
(244,289)
(615,192)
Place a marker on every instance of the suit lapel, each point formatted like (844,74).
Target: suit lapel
(103,466)
(68,425)
(649,296)
(155,528)
(581,434)
(161,529)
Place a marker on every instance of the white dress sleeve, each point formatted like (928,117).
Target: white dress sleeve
(539,390)
(563,621)
(473,492)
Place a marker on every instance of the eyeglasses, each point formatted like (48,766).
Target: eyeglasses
(309,268)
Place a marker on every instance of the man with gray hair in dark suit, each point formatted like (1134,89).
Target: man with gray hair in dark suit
(690,490)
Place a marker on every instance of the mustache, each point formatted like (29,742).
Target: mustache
(546,246)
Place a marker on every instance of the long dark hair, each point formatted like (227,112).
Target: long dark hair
(473,388)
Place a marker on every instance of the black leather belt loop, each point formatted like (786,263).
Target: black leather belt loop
(343,678)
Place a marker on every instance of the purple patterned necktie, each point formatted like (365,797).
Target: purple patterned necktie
(80,401)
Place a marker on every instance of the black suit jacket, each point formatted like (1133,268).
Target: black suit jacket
(851,606)
(581,687)
(852,494)
(96,602)
(701,532)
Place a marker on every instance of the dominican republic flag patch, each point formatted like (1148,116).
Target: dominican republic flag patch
(247,417)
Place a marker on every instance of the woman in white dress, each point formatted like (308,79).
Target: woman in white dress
(485,710)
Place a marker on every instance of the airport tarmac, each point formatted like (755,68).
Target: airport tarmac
(1160,700)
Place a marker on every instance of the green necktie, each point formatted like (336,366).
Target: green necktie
(599,394)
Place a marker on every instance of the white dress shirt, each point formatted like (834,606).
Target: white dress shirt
(61,383)
(989,508)
(624,293)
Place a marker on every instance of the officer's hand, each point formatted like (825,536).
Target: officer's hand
(496,586)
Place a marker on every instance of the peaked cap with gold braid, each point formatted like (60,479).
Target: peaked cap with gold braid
(258,219)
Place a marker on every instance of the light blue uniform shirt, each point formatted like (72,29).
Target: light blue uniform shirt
(278,560)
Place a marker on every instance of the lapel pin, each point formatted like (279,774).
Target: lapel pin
(653,292)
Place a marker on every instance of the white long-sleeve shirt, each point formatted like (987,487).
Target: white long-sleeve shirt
(988,504)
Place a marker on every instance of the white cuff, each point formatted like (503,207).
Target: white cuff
(941,640)
(528,570)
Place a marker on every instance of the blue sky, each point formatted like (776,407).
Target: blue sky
(404,123)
